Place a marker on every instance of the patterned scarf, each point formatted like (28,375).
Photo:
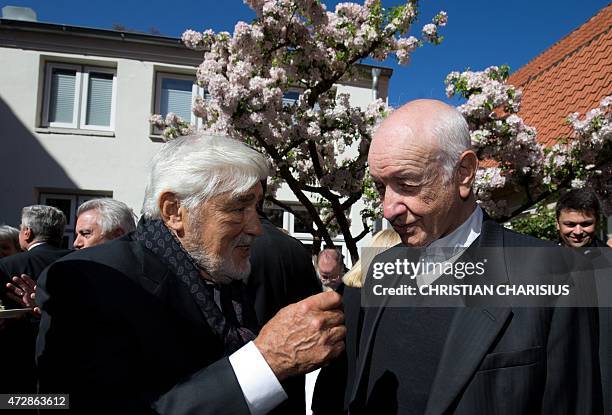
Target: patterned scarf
(224,306)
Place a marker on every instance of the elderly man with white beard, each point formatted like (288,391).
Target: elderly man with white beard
(157,321)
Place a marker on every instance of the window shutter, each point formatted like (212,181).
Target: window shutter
(99,99)
(176,97)
(61,101)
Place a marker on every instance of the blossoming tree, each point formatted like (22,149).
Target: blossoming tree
(297,45)
(514,165)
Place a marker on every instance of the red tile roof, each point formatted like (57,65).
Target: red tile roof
(571,76)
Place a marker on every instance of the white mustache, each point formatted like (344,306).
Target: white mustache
(242,240)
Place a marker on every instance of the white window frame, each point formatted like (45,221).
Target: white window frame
(195,91)
(76,200)
(85,83)
(292,89)
(81,89)
(47,95)
(72,198)
(291,219)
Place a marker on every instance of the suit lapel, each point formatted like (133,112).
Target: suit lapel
(471,334)
(157,279)
(472,331)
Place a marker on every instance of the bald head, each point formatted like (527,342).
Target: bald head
(423,169)
(433,125)
(329,265)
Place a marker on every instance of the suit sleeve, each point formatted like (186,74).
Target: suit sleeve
(573,380)
(573,384)
(212,390)
(86,350)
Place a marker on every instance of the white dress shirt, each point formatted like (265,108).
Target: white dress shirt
(34,245)
(260,387)
(450,247)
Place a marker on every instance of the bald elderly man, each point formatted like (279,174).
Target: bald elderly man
(457,360)
(330,268)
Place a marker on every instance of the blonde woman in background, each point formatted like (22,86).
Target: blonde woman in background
(353,279)
(381,241)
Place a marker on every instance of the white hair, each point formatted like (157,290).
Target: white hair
(198,167)
(113,214)
(46,222)
(8,233)
(453,135)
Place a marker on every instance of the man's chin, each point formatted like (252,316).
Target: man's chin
(416,241)
(579,244)
(237,272)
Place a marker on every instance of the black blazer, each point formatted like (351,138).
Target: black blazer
(281,274)
(601,257)
(31,262)
(122,335)
(496,360)
(18,337)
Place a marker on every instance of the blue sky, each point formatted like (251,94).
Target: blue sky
(479,32)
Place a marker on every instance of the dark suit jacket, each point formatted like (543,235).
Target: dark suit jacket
(601,257)
(281,274)
(31,262)
(123,335)
(18,338)
(496,360)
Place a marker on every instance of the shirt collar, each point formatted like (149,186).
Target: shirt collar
(34,245)
(464,235)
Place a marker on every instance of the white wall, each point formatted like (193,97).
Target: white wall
(36,159)
(51,160)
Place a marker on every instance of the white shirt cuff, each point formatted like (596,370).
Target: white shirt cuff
(261,390)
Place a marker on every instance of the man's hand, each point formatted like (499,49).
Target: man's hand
(303,336)
(22,291)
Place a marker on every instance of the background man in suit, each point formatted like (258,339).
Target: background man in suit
(481,360)
(102,220)
(40,236)
(330,267)
(158,320)
(578,214)
(98,221)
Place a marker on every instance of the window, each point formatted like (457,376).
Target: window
(296,226)
(176,93)
(291,96)
(80,97)
(68,203)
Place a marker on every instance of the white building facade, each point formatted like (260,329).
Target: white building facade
(75,106)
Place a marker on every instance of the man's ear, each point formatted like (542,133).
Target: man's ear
(557,225)
(172,213)
(28,234)
(466,173)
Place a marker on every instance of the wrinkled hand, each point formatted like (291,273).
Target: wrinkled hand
(22,291)
(303,336)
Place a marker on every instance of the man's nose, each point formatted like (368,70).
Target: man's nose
(393,205)
(78,243)
(253,226)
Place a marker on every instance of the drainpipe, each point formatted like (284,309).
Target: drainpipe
(375,77)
